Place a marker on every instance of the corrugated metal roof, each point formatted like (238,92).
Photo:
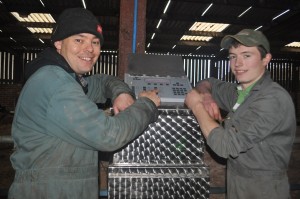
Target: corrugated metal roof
(175,23)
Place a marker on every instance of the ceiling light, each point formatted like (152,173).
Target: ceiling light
(210,27)
(173,46)
(204,27)
(83,3)
(153,35)
(12,39)
(40,30)
(34,17)
(245,11)
(42,3)
(41,40)
(195,38)
(158,24)
(259,27)
(294,44)
(280,14)
(206,9)
(167,6)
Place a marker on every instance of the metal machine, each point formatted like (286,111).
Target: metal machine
(165,73)
(166,160)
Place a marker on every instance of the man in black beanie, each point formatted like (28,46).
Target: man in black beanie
(58,129)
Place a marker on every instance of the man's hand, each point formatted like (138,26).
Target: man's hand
(193,99)
(211,107)
(122,102)
(152,95)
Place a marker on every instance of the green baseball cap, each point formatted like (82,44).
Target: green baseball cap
(247,37)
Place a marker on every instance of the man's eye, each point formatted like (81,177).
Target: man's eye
(78,40)
(231,57)
(96,42)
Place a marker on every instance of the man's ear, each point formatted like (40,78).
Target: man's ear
(57,45)
(267,59)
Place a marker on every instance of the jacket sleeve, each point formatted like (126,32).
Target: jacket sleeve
(224,93)
(73,117)
(102,87)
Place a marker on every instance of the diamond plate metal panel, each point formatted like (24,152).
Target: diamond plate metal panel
(174,138)
(158,181)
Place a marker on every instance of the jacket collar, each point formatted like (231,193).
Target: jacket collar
(47,57)
(51,57)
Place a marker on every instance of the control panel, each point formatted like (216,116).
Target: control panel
(172,90)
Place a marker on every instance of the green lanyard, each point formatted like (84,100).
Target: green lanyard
(242,94)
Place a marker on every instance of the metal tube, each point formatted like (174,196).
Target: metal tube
(6,139)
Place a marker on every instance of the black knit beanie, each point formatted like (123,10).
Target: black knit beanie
(74,21)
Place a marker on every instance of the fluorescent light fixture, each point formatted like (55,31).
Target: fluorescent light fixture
(259,27)
(167,6)
(42,3)
(83,3)
(295,44)
(204,27)
(13,39)
(198,48)
(36,18)
(244,11)
(148,45)
(158,24)
(209,27)
(153,35)
(206,9)
(41,40)
(0,30)
(173,46)
(40,30)
(195,38)
(281,14)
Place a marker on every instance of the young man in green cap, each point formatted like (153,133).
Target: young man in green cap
(257,135)
(58,129)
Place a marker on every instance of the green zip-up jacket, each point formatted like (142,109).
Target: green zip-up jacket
(58,131)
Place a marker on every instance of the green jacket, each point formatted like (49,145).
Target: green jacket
(58,131)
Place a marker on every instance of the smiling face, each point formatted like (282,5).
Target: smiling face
(247,64)
(81,51)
